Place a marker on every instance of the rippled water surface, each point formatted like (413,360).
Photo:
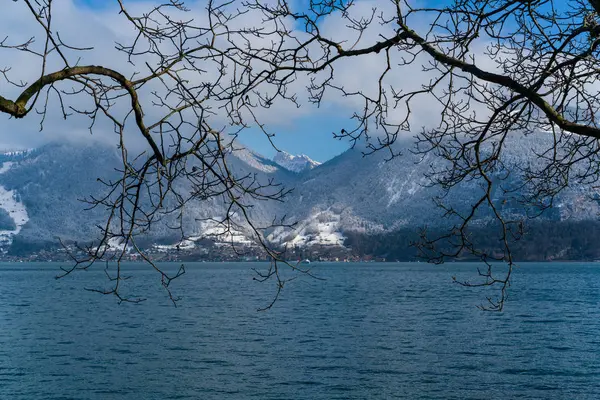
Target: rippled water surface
(366,331)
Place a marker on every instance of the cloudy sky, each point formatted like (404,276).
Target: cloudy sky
(96,23)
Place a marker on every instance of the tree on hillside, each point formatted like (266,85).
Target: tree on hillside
(188,78)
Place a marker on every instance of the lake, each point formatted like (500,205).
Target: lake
(367,331)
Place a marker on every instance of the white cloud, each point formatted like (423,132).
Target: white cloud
(83,26)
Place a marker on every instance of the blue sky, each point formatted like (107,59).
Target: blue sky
(311,135)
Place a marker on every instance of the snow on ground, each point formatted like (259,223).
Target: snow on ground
(6,166)
(117,244)
(219,233)
(253,160)
(210,230)
(326,236)
(321,228)
(398,188)
(183,245)
(297,163)
(14,153)
(15,209)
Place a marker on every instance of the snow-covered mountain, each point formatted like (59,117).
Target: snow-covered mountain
(371,195)
(39,192)
(298,163)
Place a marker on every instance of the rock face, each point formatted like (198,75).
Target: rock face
(40,192)
(298,164)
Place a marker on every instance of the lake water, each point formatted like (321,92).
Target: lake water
(367,331)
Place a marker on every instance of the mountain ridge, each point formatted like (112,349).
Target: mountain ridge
(295,163)
(346,196)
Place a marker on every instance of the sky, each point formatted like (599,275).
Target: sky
(305,130)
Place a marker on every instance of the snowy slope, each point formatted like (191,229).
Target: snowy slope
(320,228)
(349,193)
(51,180)
(13,207)
(299,163)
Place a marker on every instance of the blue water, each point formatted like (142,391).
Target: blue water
(367,331)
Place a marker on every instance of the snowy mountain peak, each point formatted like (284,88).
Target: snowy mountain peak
(297,163)
(15,152)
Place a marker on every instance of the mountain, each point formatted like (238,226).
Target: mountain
(299,163)
(365,205)
(354,195)
(41,193)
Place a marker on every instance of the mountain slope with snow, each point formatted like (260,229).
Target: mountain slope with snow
(14,209)
(40,192)
(298,163)
(373,195)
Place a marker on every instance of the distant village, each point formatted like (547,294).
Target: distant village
(214,253)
